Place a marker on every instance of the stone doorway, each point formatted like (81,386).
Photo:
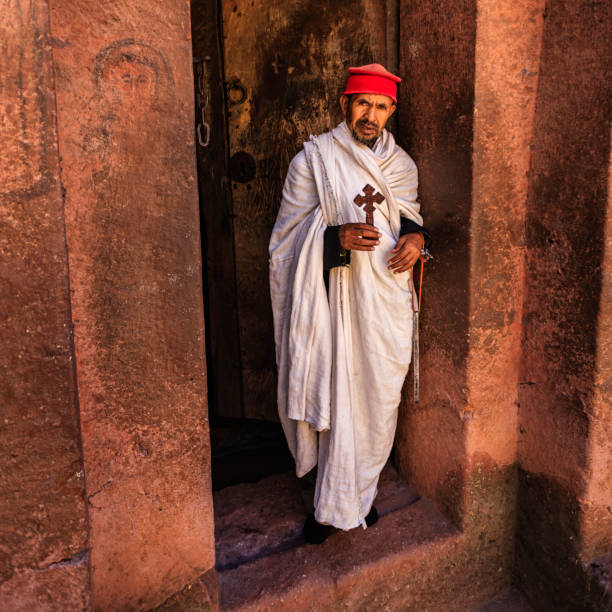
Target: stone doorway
(105,463)
(266,76)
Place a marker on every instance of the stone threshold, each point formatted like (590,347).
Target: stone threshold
(413,559)
(391,567)
(264,564)
(255,520)
(348,568)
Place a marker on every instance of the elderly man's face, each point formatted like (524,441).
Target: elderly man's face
(366,115)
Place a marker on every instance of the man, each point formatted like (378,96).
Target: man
(342,300)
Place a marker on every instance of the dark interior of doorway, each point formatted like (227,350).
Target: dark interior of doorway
(242,449)
(246,450)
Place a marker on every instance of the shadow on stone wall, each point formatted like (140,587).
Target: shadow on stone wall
(566,213)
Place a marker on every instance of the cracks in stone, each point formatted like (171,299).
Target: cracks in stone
(265,551)
(92,495)
(78,559)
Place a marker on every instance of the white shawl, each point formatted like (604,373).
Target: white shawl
(341,359)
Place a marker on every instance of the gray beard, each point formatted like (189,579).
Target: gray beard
(368,142)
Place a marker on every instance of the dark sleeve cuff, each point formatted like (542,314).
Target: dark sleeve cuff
(408,226)
(333,254)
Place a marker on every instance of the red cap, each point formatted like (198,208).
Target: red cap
(372,79)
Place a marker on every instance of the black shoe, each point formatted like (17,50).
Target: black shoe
(372,517)
(315,533)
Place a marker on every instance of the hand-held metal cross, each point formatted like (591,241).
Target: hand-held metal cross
(367,201)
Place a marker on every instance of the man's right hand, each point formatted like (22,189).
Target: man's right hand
(358,236)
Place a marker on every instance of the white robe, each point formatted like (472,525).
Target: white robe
(342,358)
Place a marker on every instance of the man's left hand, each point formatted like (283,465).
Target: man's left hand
(406,252)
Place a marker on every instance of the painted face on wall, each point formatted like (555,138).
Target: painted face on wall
(134,81)
(130,75)
(366,115)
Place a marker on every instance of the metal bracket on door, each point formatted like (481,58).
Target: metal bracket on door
(202,99)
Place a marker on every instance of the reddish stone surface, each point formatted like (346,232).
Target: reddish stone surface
(493,152)
(63,586)
(201,595)
(473,164)
(507,62)
(597,516)
(508,601)
(125,116)
(255,520)
(564,401)
(412,559)
(436,103)
(565,226)
(318,576)
(393,492)
(43,520)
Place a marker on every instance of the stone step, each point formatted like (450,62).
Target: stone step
(264,563)
(253,520)
(355,570)
(413,559)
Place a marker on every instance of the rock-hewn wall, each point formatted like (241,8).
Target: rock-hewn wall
(565,489)
(436,107)
(507,61)
(466,116)
(43,518)
(506,110)
(504,106)
(125,122)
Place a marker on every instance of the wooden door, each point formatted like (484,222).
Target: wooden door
(285,65)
